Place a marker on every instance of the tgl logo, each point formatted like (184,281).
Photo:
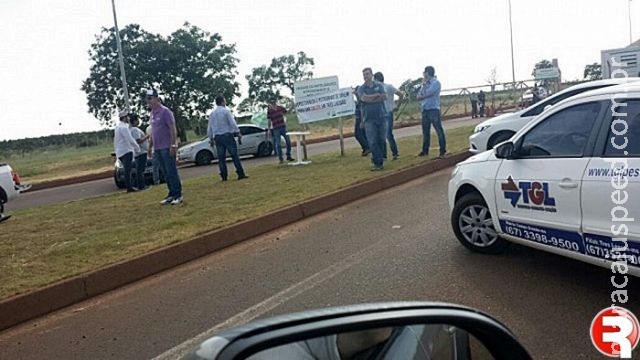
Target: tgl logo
(531,192)
(614,332)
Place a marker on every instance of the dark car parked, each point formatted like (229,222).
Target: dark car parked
(118,174)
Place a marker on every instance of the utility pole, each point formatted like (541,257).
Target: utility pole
(123,76)
(630,33)
(513,70)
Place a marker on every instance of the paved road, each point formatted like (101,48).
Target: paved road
(106,186)
(395,245)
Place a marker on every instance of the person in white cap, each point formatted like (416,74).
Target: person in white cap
(125,146)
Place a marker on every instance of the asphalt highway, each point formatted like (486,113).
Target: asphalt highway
(106,186)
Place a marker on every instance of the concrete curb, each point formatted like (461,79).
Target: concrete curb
(67,292)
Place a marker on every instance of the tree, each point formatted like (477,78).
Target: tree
(188,68)
(542,64)
(593,71)
(266,82)
(411,87)
(492,79)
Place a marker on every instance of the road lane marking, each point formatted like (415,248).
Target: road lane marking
(275,301)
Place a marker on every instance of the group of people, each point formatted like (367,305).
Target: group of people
(374,127)
(159,142)
(375,111)
(477,104)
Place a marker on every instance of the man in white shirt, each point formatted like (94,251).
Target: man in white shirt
(141,156)
(221,131)
(389,105)
(125,146)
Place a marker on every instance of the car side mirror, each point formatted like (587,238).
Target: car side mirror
(370,331)
(505,150)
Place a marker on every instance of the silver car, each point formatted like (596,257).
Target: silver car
(255,141)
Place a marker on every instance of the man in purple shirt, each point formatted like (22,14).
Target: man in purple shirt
(164,145)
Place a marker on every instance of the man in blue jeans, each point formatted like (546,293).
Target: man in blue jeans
(358,129)
(275,114)
(389,105)
(372,95)
(164,145)
(221,132)
(429,94)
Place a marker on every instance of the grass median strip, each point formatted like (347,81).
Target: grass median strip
(42,245)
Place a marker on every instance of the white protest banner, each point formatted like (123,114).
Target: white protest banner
(316,86)
(325,106)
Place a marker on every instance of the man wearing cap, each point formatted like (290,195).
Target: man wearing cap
(164,145)
(140,156)
(125,146)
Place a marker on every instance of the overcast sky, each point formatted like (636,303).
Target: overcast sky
(44,59)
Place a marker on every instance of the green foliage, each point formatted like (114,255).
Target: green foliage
(267,82)
(593,71)
(411,87)
(188,68)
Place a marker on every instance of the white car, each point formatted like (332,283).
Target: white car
(255,141)
(559,184)
(491,132)
(10,187)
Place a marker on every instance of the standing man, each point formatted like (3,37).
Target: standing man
(275,114)
(481,102)
(125,146)
(430,96)
(155,164)
(474,105)
(141,156)
(221,131)
(164,145)
(358,129)
(536,94)
(390,90)
(373,96)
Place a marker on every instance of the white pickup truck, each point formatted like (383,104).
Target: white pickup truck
(10,187)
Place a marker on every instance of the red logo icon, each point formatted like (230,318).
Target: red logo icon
(615,332)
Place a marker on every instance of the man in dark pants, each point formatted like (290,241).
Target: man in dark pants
(222,131)
(430,96)
(481,102)
(125,146)
(373,96)
(474,105)
(141,156)
(390,106)
(164,144)
(275,114)
(358,129)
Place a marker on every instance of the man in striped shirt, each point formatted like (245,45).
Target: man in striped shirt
(275,114)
